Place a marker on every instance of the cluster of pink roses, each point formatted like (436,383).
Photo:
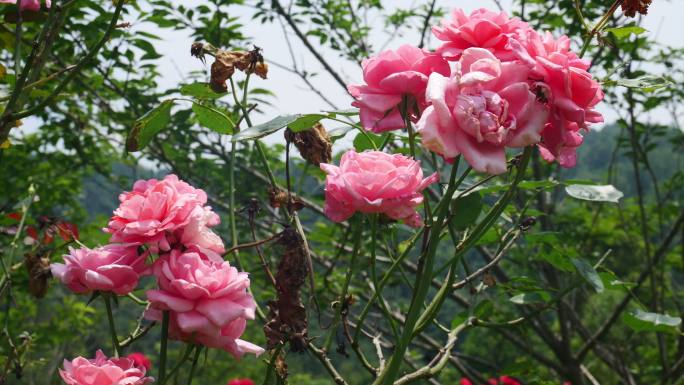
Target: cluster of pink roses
(494,83)
(207,299)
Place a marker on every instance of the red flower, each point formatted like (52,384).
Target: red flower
(241,381)
(140,360)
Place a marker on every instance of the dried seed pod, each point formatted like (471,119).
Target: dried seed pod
(631,7)
(314,144)
(288,321)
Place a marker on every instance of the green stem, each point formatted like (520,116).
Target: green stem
(422,286)
(112,328)
(358,227)
(374,276)
(180,363)
(271,365)
(396,264)
(194,364)
(597,28)
(163,346)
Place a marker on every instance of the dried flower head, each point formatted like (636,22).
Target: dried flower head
(631,7)
(314,145)
(224,67)
(38,266)
(287,318)
(279,198)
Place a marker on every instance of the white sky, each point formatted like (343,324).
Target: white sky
(663,21)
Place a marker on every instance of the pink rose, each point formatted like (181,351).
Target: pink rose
(156,210)
(482,29)
(389,77)
(572,93)
(29,5)
(140,360)
(375,182)
(112,268)
(196,234)
(241,381)
(207,300)
(478,112)
(103,371)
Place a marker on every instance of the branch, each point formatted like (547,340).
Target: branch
(279,9)
(625,301)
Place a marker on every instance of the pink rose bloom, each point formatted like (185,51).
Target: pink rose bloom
(196,234)
(481,110)
(482,29)
(140,360)
(375,182)
(207,299)
(389,77)
(29,5)
(103,371)
(155,210)
(111,268)
(571,90)
(241,381)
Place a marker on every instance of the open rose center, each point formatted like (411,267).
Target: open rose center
(484,115)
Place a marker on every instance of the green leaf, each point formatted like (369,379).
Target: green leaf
(340,132)
(621,32)
(200,91)
(587,271)
(646,83)
(213,119)
(466,210)
(149,125)
(305,122)
(530,298)
(606,193)
(348,112)
(362,141)
(558,259)
(612,282)
(264,129)
(642,321)
(460,319)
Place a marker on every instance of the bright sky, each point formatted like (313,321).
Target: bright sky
(293,96)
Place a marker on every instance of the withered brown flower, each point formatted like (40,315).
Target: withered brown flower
(631,7)
(224,67)
(287,316)
(314,145)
